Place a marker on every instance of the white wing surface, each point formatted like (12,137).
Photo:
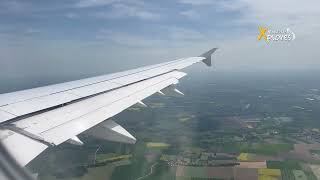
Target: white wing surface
(35,119)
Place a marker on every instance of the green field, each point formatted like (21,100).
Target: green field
(310,176)
(291,170)
(257,148)
(166,157)
(270,149)
(299,175)
(287,174)
(284,165)
(314,151)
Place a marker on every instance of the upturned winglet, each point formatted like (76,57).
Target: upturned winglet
(207,56)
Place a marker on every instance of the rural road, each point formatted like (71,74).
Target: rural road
(151,171)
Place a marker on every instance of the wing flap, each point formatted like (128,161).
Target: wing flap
(110,130)
(4,116)
(60,133)
(37,104)
(23,148)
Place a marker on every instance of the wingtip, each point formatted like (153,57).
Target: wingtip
(207,56)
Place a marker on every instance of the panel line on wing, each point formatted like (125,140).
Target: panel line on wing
(33,106)
(36,124)
(83,123)
(151,67)
(27,134)
(106,105)
(19,117)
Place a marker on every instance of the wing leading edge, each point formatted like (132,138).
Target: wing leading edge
(33,120)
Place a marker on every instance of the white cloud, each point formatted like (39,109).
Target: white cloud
(190,14)
(302,16)
(31,31)
(178,33)
(243,51)
(239,48)
(299,15)
(197,2)
(14,7)
(125,11)
(93,3)
(71,15)
(98,3)
(175,36)
(127,39)
(11,34)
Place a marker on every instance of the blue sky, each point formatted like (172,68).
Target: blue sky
(90,19)
(50,39)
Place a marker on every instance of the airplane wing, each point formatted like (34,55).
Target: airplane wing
(35,119)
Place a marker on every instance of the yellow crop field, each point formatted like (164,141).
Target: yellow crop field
(269,174)
(246,157)
(243,157)
(157,145)
(119,157)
